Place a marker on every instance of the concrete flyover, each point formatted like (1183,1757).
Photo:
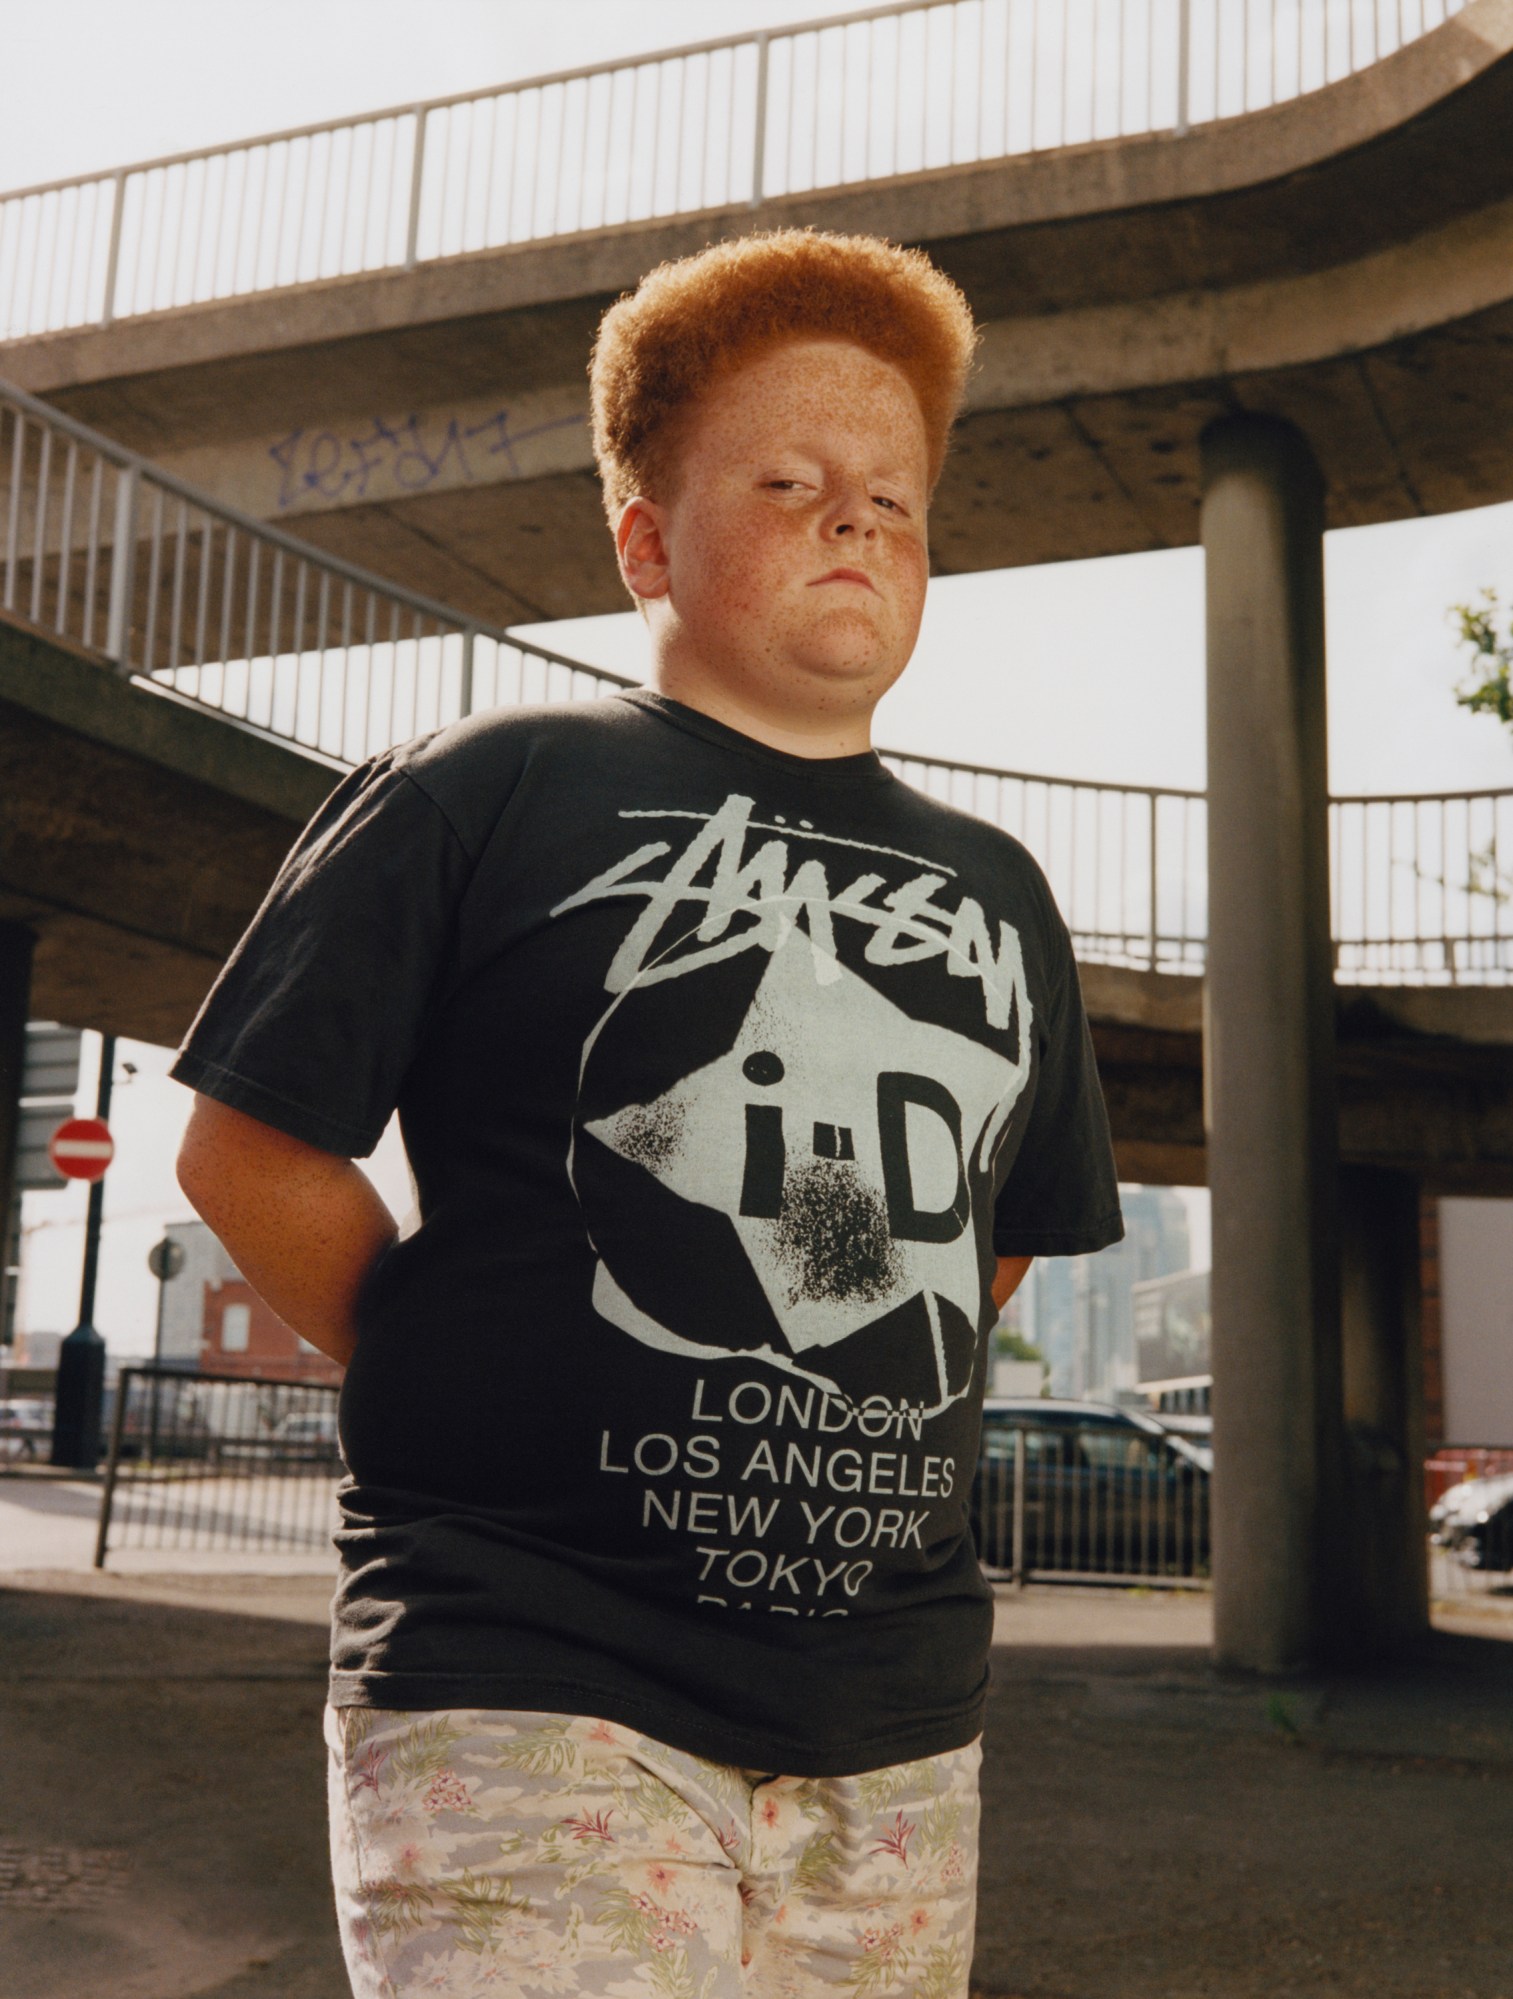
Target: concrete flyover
(1343,261)
(138,834)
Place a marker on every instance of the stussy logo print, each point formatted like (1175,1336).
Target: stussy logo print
(907,924)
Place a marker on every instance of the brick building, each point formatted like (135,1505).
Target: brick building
(242,1335)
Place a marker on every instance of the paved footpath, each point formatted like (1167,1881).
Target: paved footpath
(1151,1831)
(1156,1831)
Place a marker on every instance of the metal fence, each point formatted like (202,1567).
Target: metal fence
(147,575)
(219,1462)
(1097,1503)
(236,1464)
(891,90)
(100,548)
(1127,862)
(1423,888)
(1072,1504)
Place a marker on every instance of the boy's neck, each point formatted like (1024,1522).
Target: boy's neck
(800,731)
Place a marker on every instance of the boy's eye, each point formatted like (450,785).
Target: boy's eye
(883,499)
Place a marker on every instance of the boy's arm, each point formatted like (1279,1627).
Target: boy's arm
(1008,1277)
(304,1227)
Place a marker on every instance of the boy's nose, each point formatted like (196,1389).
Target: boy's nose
(852,510)
(848,523)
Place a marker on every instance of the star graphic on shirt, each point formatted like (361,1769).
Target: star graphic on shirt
(840,1136)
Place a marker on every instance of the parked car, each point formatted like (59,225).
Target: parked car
(1103,1492)
(308,1436)
(26,1428)
(1473,1522)
(1197,1429)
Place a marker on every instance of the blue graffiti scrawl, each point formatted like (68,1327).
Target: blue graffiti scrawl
(412,455)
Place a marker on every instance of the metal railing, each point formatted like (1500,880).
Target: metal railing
(219,1462)
(1423,888)
(1127,862)
(1067,1503)
(893,90)
(101,549)
(130,565)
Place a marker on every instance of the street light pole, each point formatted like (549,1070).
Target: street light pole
(81,1358)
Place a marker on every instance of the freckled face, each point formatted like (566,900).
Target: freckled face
(810,458)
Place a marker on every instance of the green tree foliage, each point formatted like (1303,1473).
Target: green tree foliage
(1014,1346)
(1010,1344)
(1487,688)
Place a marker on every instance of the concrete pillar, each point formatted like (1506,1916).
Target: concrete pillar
(1431,1330)
(1280,1544)
(1384,1410)
(16,946)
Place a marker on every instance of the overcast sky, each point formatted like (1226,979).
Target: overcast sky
(1082,669)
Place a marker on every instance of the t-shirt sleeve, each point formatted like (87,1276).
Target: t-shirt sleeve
(1062,1194)
(317,1014)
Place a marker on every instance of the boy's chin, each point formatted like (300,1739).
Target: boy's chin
(854,670)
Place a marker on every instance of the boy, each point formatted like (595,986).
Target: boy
(736,1079)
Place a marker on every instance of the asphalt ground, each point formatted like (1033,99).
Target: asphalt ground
(1151,1830)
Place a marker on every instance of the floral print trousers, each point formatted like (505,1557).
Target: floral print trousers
(482,1851)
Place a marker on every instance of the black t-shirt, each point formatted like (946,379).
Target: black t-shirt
(724,1076)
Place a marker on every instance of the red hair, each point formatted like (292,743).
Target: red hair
(692,321)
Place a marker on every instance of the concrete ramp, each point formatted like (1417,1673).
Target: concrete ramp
(137,836)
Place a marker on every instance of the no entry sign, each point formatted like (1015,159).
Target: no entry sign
(81,1148)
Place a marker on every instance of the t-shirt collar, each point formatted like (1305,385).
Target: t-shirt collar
(865,764)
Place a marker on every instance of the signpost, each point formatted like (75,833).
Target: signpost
(82,1148)
(165,1260)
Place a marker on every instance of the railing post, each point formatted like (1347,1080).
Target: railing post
(1016,1559)
(152,1419)
(123,564)
(13,524)
(417,174)
(113,259)
(1154,878)
(117,1430)
(759,149)
(1184,62)
(468,639)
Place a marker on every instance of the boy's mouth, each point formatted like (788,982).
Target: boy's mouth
(847,576)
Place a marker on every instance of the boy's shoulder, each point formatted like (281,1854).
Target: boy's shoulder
(955,827)
(470,769)
(493,738)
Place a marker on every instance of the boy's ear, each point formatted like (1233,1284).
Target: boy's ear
(640,548)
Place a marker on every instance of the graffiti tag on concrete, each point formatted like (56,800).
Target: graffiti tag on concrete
(412,455)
